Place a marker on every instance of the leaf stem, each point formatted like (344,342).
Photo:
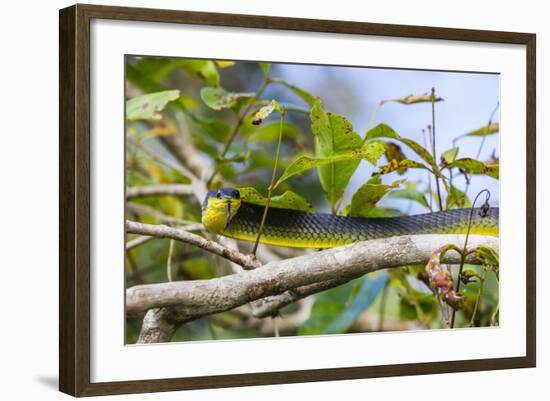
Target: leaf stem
(464,252)
(270,189)
(440,201)
(478,298)
(169,260)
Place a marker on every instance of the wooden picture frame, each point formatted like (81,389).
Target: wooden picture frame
(74,203)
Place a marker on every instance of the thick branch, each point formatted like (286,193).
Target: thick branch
(203,297)
(161,231)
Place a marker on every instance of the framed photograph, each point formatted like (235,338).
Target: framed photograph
(250,200)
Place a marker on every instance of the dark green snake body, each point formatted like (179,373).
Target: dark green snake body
(294,228)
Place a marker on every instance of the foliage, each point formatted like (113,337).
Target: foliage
(226,112)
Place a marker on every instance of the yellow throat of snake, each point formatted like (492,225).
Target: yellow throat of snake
(219,207)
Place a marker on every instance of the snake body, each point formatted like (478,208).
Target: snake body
(293,228)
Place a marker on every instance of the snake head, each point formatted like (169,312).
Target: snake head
(219,207)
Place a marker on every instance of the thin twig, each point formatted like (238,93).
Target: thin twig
(162,231)
(138,241)
(159,190)
(434,153)
(464,252)
(144,210)
(478,298)
(169,260)
(270,189)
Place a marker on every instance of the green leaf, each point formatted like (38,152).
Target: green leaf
(449,156)
(489,129)
(371,151)
(394,165)
(473,166)
(304,95)
(224,64)
(367,196)
(456,197)
(410,194)
(202,70)
(413,99)
(415,302)
(337,309)
(213,127)
(269,132)
(288,200)
(487,255)
(333,134)
(265,68)
(219,98)
(385,131)
(144,107)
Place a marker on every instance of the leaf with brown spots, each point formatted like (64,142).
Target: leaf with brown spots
(394,165)
(371,151)
(414,99)
(288,200)
(473,166)
(145,107)
(219,98)
(385,131)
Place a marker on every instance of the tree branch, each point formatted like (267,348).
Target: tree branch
(203,297)
(162,231)
(159,190)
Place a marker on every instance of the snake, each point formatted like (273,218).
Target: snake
(226,214)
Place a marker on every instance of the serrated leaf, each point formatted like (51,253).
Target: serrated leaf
(219,98)
(473,166)
(489,129)
(410,194)
(144,107)
(333,134)
(288,200)
(394,165)
(337,309)
(304,95)
(449,156)
(370,151)
(367,196)
(456,197)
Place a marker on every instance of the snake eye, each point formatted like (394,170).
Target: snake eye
(219,194)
